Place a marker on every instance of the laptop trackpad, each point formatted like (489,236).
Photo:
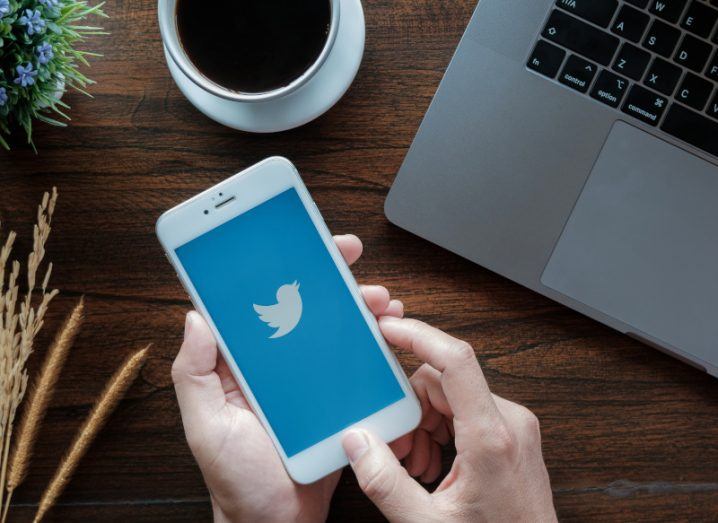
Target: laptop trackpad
(641,245)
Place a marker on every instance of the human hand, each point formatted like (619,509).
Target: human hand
(243,472)
(498,473)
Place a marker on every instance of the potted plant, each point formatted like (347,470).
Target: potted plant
(39,60)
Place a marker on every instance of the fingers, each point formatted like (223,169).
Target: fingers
(467,394)
(380,303)
(232,392)
(402,446)
(418,461)
(350,247)
(427,384)
(433,470)
(395,308)
(198,387)
(383,479)
(377,298)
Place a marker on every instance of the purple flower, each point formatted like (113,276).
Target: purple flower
(49,3)
(3,96)
(4,7)
(25,75)
(44,53)
(33,20)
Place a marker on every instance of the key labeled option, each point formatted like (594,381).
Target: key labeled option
(546,59)
(609,88)
(577,73)
(645,105)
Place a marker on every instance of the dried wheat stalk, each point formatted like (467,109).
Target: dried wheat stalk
(39,399)
(21,318)
(111,396)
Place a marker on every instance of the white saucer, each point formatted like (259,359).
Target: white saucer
(307,103)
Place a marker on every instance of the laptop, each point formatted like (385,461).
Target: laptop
(572,147)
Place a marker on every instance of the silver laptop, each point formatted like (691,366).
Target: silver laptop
(573,147)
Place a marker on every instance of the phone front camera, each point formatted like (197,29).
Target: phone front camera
(206,211)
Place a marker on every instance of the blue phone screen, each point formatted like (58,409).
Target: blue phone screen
(290,322)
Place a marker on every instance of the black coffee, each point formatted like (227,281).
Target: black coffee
(253,46)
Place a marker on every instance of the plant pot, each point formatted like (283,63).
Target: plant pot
(59,92)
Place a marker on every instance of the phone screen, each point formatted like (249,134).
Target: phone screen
(290,322)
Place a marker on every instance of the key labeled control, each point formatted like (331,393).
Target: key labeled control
(578,73)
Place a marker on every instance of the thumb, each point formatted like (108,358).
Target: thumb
(197,385)
(382,478)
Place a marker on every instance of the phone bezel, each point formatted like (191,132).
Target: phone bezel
(251,188)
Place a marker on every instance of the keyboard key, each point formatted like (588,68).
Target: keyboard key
(609,88)
(700,19)
(668,9)
(693,53)
(663,76)
(638,3)
(645,105)
(694,92)
(630,23)
(631,61)
(661,38)
(713,107)
(546,59)
(577,73)
(692,128)
(580,37)
(600,12)
(712,71)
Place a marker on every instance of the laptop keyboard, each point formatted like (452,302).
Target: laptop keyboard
(654,60)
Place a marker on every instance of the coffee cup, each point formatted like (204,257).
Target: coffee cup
(249,50)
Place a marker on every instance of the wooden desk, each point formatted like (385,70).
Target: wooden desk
(629,434)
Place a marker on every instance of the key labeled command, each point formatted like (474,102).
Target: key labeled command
(645,105)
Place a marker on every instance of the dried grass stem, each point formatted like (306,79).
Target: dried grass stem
(111,396)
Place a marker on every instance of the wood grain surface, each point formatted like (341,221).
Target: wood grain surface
(629,434)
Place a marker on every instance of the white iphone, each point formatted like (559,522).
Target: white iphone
(261,266)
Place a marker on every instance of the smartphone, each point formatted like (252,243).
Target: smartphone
(261,266)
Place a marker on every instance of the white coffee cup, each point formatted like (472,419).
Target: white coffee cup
(167,12)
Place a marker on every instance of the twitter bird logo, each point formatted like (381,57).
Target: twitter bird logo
(286,313)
